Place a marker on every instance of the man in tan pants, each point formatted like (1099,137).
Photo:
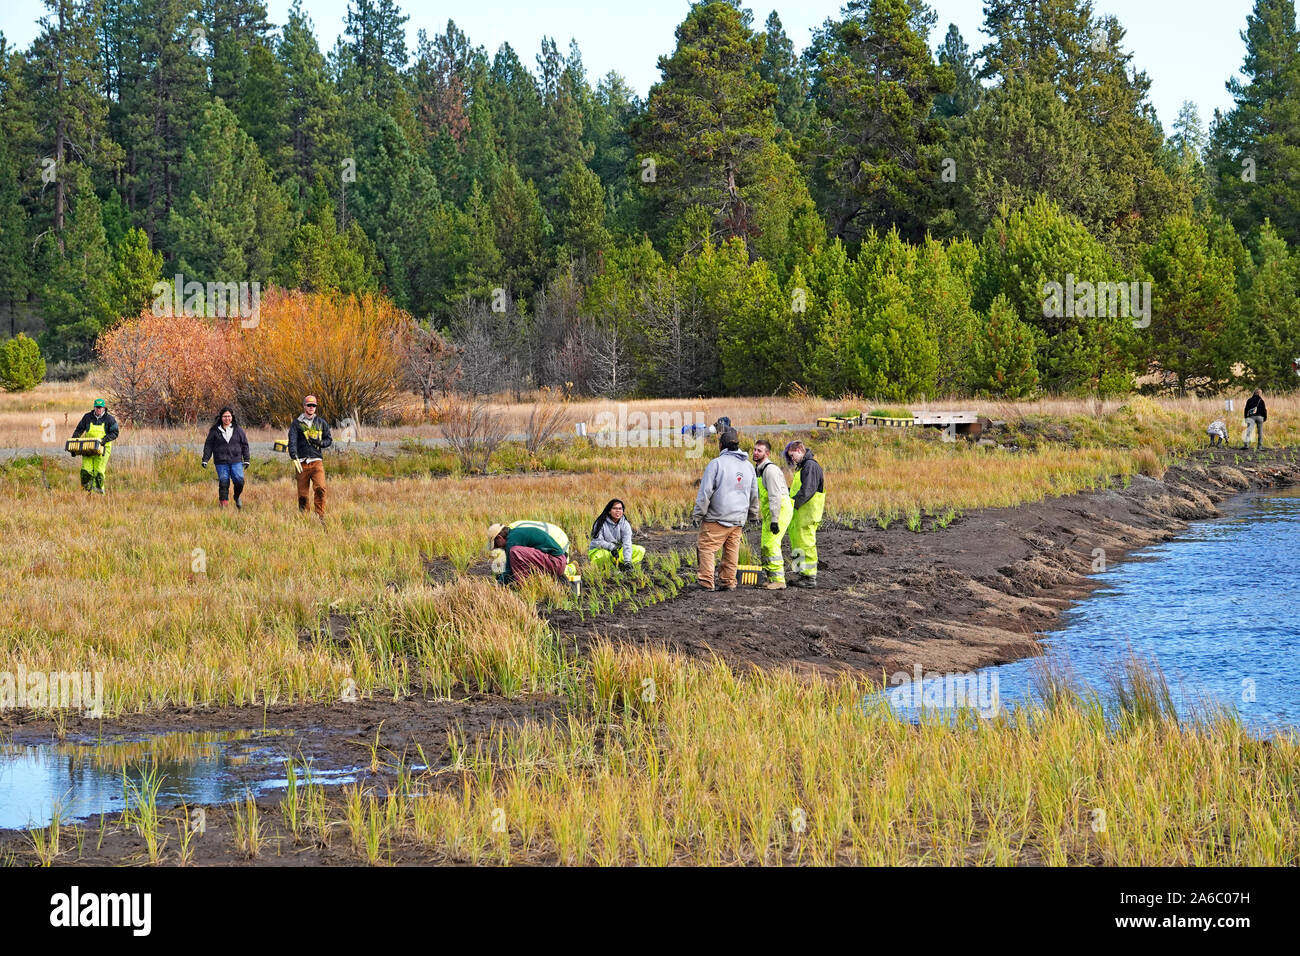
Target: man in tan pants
(309,435)
(728,497)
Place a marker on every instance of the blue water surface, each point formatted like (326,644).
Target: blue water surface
(1217,609)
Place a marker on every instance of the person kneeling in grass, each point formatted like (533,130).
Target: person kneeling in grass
(531,547)
(612,534)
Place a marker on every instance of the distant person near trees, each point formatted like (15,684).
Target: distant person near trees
(809,490)
(96,423)
(775,512)
(1256,415)
(309,436)
(728,498)
(227,447)
(531,547)
(611,538)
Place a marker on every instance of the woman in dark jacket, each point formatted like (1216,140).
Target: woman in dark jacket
(227,446)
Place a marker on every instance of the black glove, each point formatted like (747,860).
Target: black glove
(204,463)
(774,527)
(247,464)
(628,567)
(695,521)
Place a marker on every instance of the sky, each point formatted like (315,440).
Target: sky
(1189,48)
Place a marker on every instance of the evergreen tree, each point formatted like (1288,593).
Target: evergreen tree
(1002,356)
(1193,310)
(874,142)
(1257,162)
(1269,342)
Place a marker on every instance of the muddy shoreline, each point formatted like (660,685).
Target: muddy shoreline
(974,593)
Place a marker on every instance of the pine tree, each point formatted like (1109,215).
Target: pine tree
(1269,342)
(1193,310)
(317,141)
(1002,355)
(874,141)
(1255,145)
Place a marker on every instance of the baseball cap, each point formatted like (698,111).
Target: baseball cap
(729,437)
(100,403)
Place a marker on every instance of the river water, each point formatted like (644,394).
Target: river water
(1217,609)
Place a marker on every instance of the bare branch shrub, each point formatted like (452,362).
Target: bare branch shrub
(473,431)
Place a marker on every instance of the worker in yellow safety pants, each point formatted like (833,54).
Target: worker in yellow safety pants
(809,491)
(96,423)
(775,511)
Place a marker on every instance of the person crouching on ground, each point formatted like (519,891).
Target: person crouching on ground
(1257,415)
(309,436)
(809,490)
(96,423)
(227,447)
(611,538)
(531,547)
(1218,432)
(775,510)
(728,497)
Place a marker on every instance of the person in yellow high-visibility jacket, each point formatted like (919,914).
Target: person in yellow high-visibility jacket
(96,423)
(775,512)
(809,491)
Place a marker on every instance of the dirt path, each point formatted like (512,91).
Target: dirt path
(973,594)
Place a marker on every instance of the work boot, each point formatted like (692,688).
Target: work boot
(805,581)
(774,586)
(237,504)
(703,587)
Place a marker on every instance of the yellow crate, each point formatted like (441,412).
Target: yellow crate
(281,444)
(85,446)
(748,574)
(836,422)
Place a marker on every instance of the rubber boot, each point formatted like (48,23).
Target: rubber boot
(87,480)
(302,503)
(239,490)
(99,483)
(223,489)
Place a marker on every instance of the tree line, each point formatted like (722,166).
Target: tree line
(881,213)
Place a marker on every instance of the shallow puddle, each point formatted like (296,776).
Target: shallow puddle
(82,779)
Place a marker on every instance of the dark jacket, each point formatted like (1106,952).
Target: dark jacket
(226,452)
(88,419)
(1254,406)
(811,480)
(302,445)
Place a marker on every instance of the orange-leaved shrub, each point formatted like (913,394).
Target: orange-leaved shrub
(349,351)
(167,370)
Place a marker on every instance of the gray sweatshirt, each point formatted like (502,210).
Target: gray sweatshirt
(611,535)
(728,491)
(777,491)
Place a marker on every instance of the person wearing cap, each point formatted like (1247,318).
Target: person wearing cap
(728,497)
(809,490)
(531,547)
(775,512)
(309,435)
(96,423)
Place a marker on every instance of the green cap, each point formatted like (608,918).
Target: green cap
(100,403)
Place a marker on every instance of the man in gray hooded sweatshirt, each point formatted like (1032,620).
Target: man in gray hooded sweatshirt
(728,498)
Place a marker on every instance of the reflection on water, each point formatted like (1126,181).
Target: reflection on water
(85,779)
(1217,609)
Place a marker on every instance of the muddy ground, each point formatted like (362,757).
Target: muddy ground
(974,593)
